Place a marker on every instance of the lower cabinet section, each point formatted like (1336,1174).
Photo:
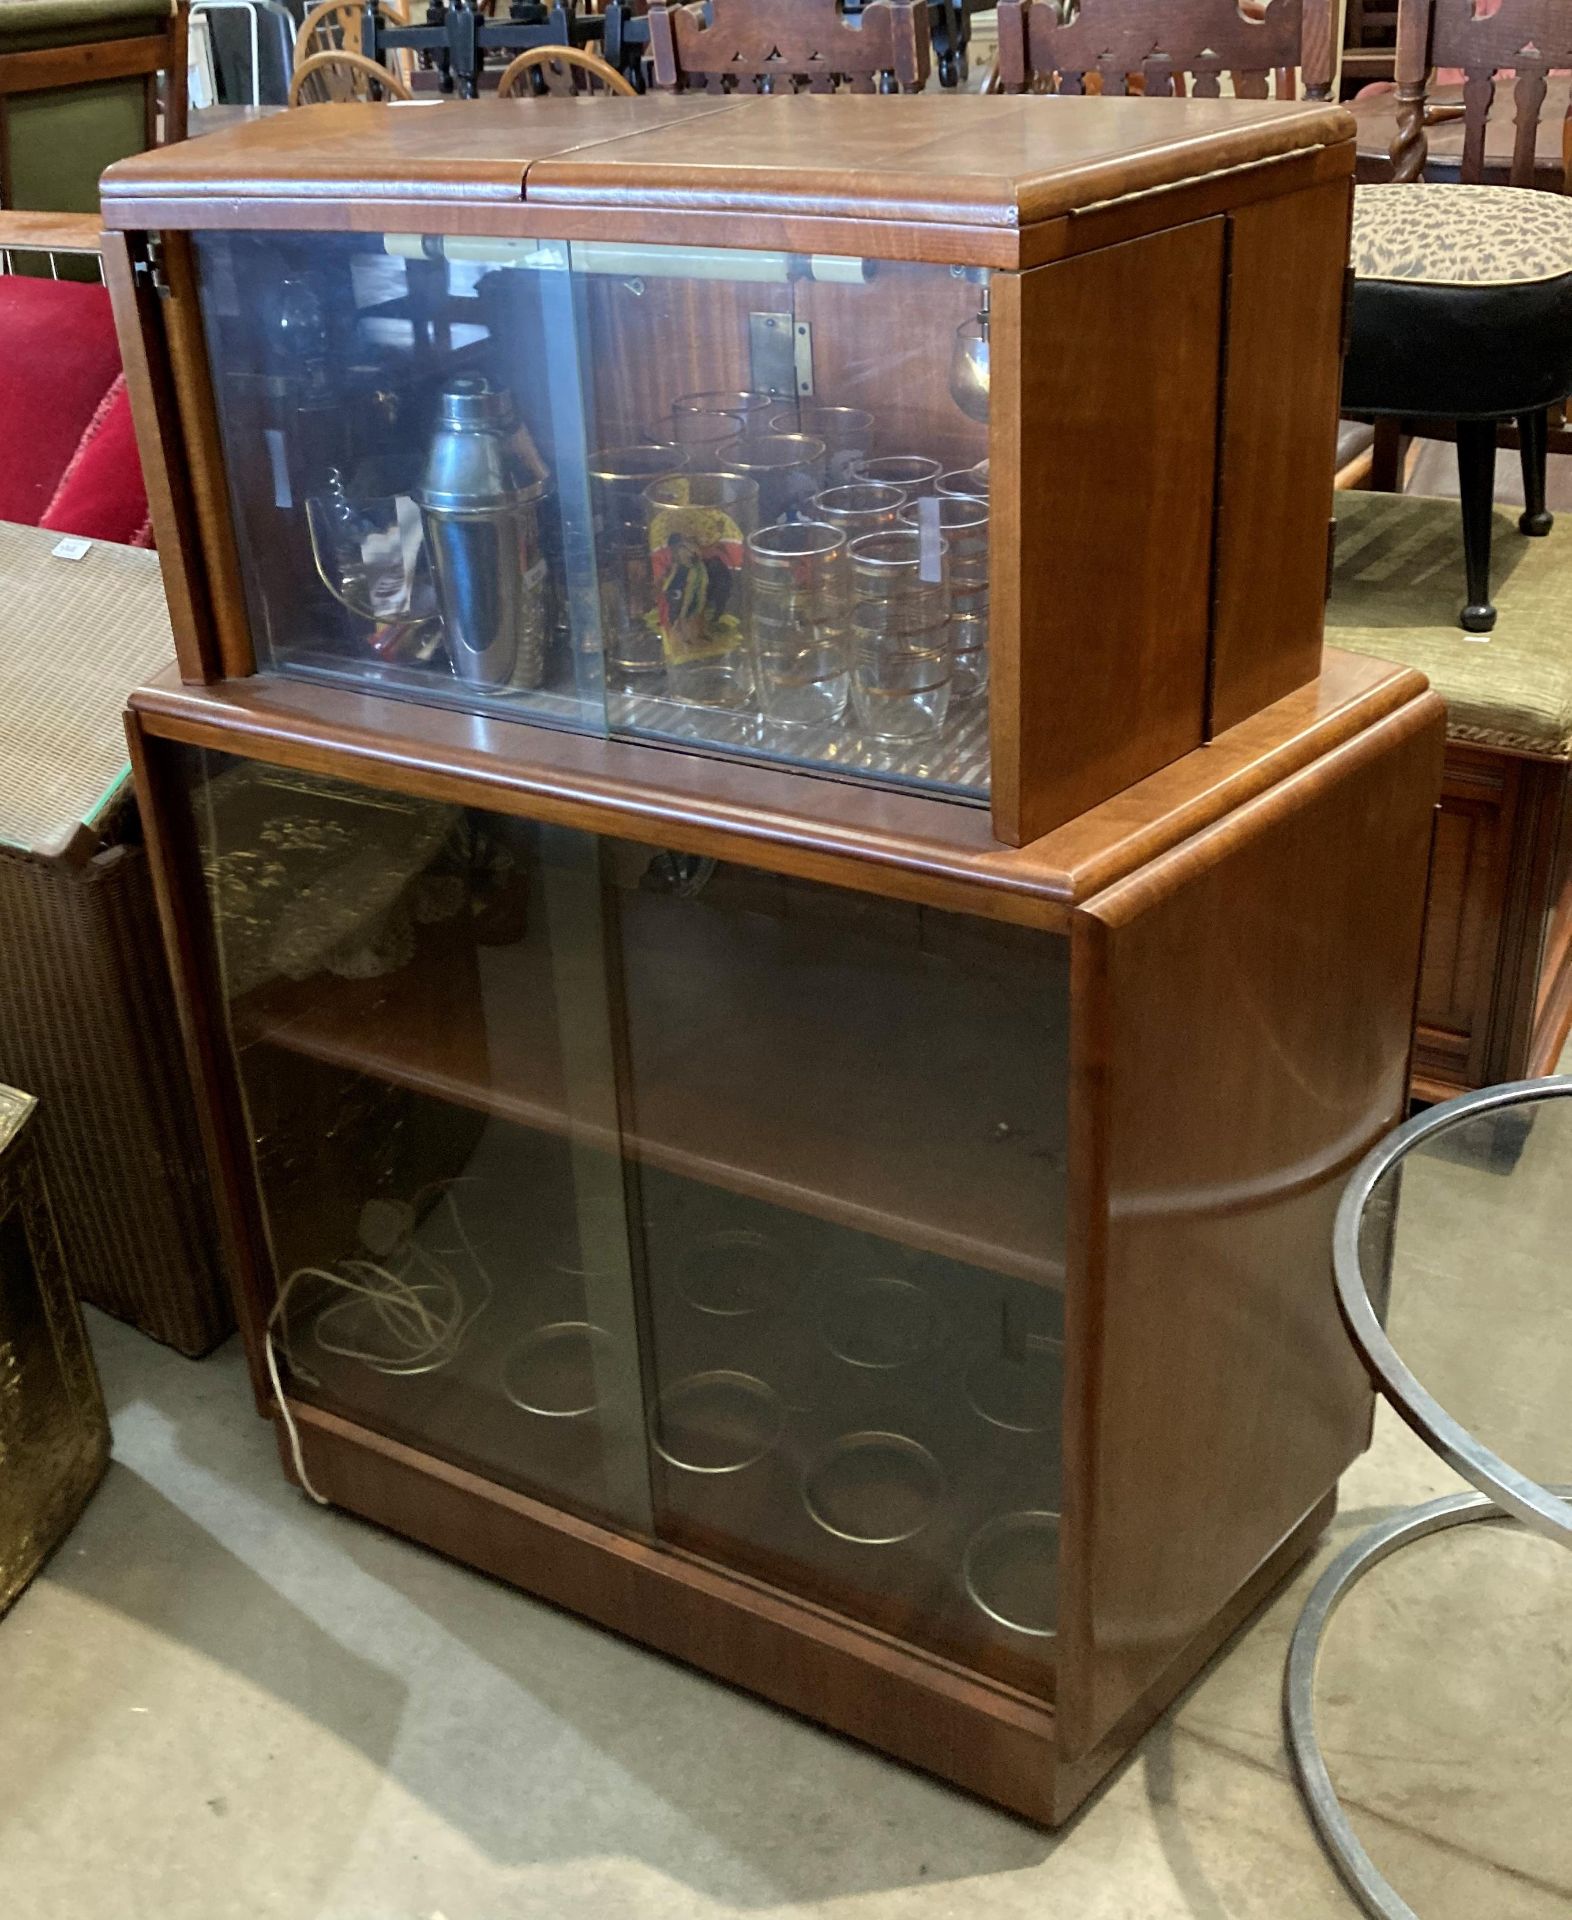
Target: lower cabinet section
(889,1283)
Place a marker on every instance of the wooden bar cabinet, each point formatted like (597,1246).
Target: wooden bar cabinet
(824,1169)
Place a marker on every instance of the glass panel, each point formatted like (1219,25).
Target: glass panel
(848,1119)
(736,499)
(1463,1251)
(417,1005)
(847,399)
(723,1205)
(404,442)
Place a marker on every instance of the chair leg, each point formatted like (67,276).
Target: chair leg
(1388,456)
(1476,474)
(1533,439)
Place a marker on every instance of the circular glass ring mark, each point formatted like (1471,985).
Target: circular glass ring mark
(1017,1395)
(1011,1571)
(733,1274)
(554,1371)
(874,1489)
(717,1422)
(879,1323)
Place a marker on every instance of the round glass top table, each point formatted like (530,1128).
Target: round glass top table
(1450,1258)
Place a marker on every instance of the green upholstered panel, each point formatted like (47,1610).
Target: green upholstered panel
(26,25)
(1396,592)
(62,138)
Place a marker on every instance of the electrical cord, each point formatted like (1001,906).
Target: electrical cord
(418,1307)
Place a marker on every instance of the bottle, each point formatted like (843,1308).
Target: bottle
(479,504)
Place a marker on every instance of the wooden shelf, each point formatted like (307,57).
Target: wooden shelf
(759,1058)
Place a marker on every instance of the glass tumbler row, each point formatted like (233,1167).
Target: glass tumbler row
(877,600)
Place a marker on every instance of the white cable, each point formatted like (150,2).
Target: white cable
(424,1319)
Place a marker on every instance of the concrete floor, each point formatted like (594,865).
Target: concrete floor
(220,1702)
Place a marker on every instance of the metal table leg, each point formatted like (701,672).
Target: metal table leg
(1373,1891)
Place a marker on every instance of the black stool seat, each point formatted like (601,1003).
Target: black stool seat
(1462,310)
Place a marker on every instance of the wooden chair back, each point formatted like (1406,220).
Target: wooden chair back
(1172,46)
(344,76)
(337,26)
(560,70)
(797,46)
(1525,38)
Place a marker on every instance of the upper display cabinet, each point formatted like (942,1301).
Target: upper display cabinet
(941,443)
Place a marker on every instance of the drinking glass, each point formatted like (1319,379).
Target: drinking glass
(788,467)
(697,526)
(847,433)
(859,509)
(798,587)
(630,629)
(964,480)
(902,659)
(915,473)
(963,523)
(698,434)
(749,410)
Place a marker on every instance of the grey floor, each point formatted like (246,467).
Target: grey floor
(220,1701)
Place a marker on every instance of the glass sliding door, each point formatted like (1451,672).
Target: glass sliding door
(418,1014)
(846,1120)
(719,1205)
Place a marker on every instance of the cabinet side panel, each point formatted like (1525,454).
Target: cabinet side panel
(1280,398)
(1105,431)
(155,413)
(1248,1011)
(210,494)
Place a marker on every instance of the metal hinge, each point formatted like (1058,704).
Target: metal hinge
(147,264)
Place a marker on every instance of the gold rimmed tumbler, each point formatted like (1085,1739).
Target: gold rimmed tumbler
(799,601)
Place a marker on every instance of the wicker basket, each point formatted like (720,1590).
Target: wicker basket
(87,1016)
(54,1435)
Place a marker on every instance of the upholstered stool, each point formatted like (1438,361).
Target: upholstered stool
(1462,310)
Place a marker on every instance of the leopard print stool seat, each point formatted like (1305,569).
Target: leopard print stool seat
(1462,310)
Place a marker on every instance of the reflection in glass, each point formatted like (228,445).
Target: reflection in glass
(434,444)
(722,1207)
(1464,1242)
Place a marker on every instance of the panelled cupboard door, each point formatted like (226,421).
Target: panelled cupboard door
(1242,1037)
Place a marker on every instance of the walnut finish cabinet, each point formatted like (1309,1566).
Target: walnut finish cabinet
(849,1213)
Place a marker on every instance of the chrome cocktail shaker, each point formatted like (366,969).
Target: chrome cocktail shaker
(479,503)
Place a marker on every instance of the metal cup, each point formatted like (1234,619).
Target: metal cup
(479,503)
